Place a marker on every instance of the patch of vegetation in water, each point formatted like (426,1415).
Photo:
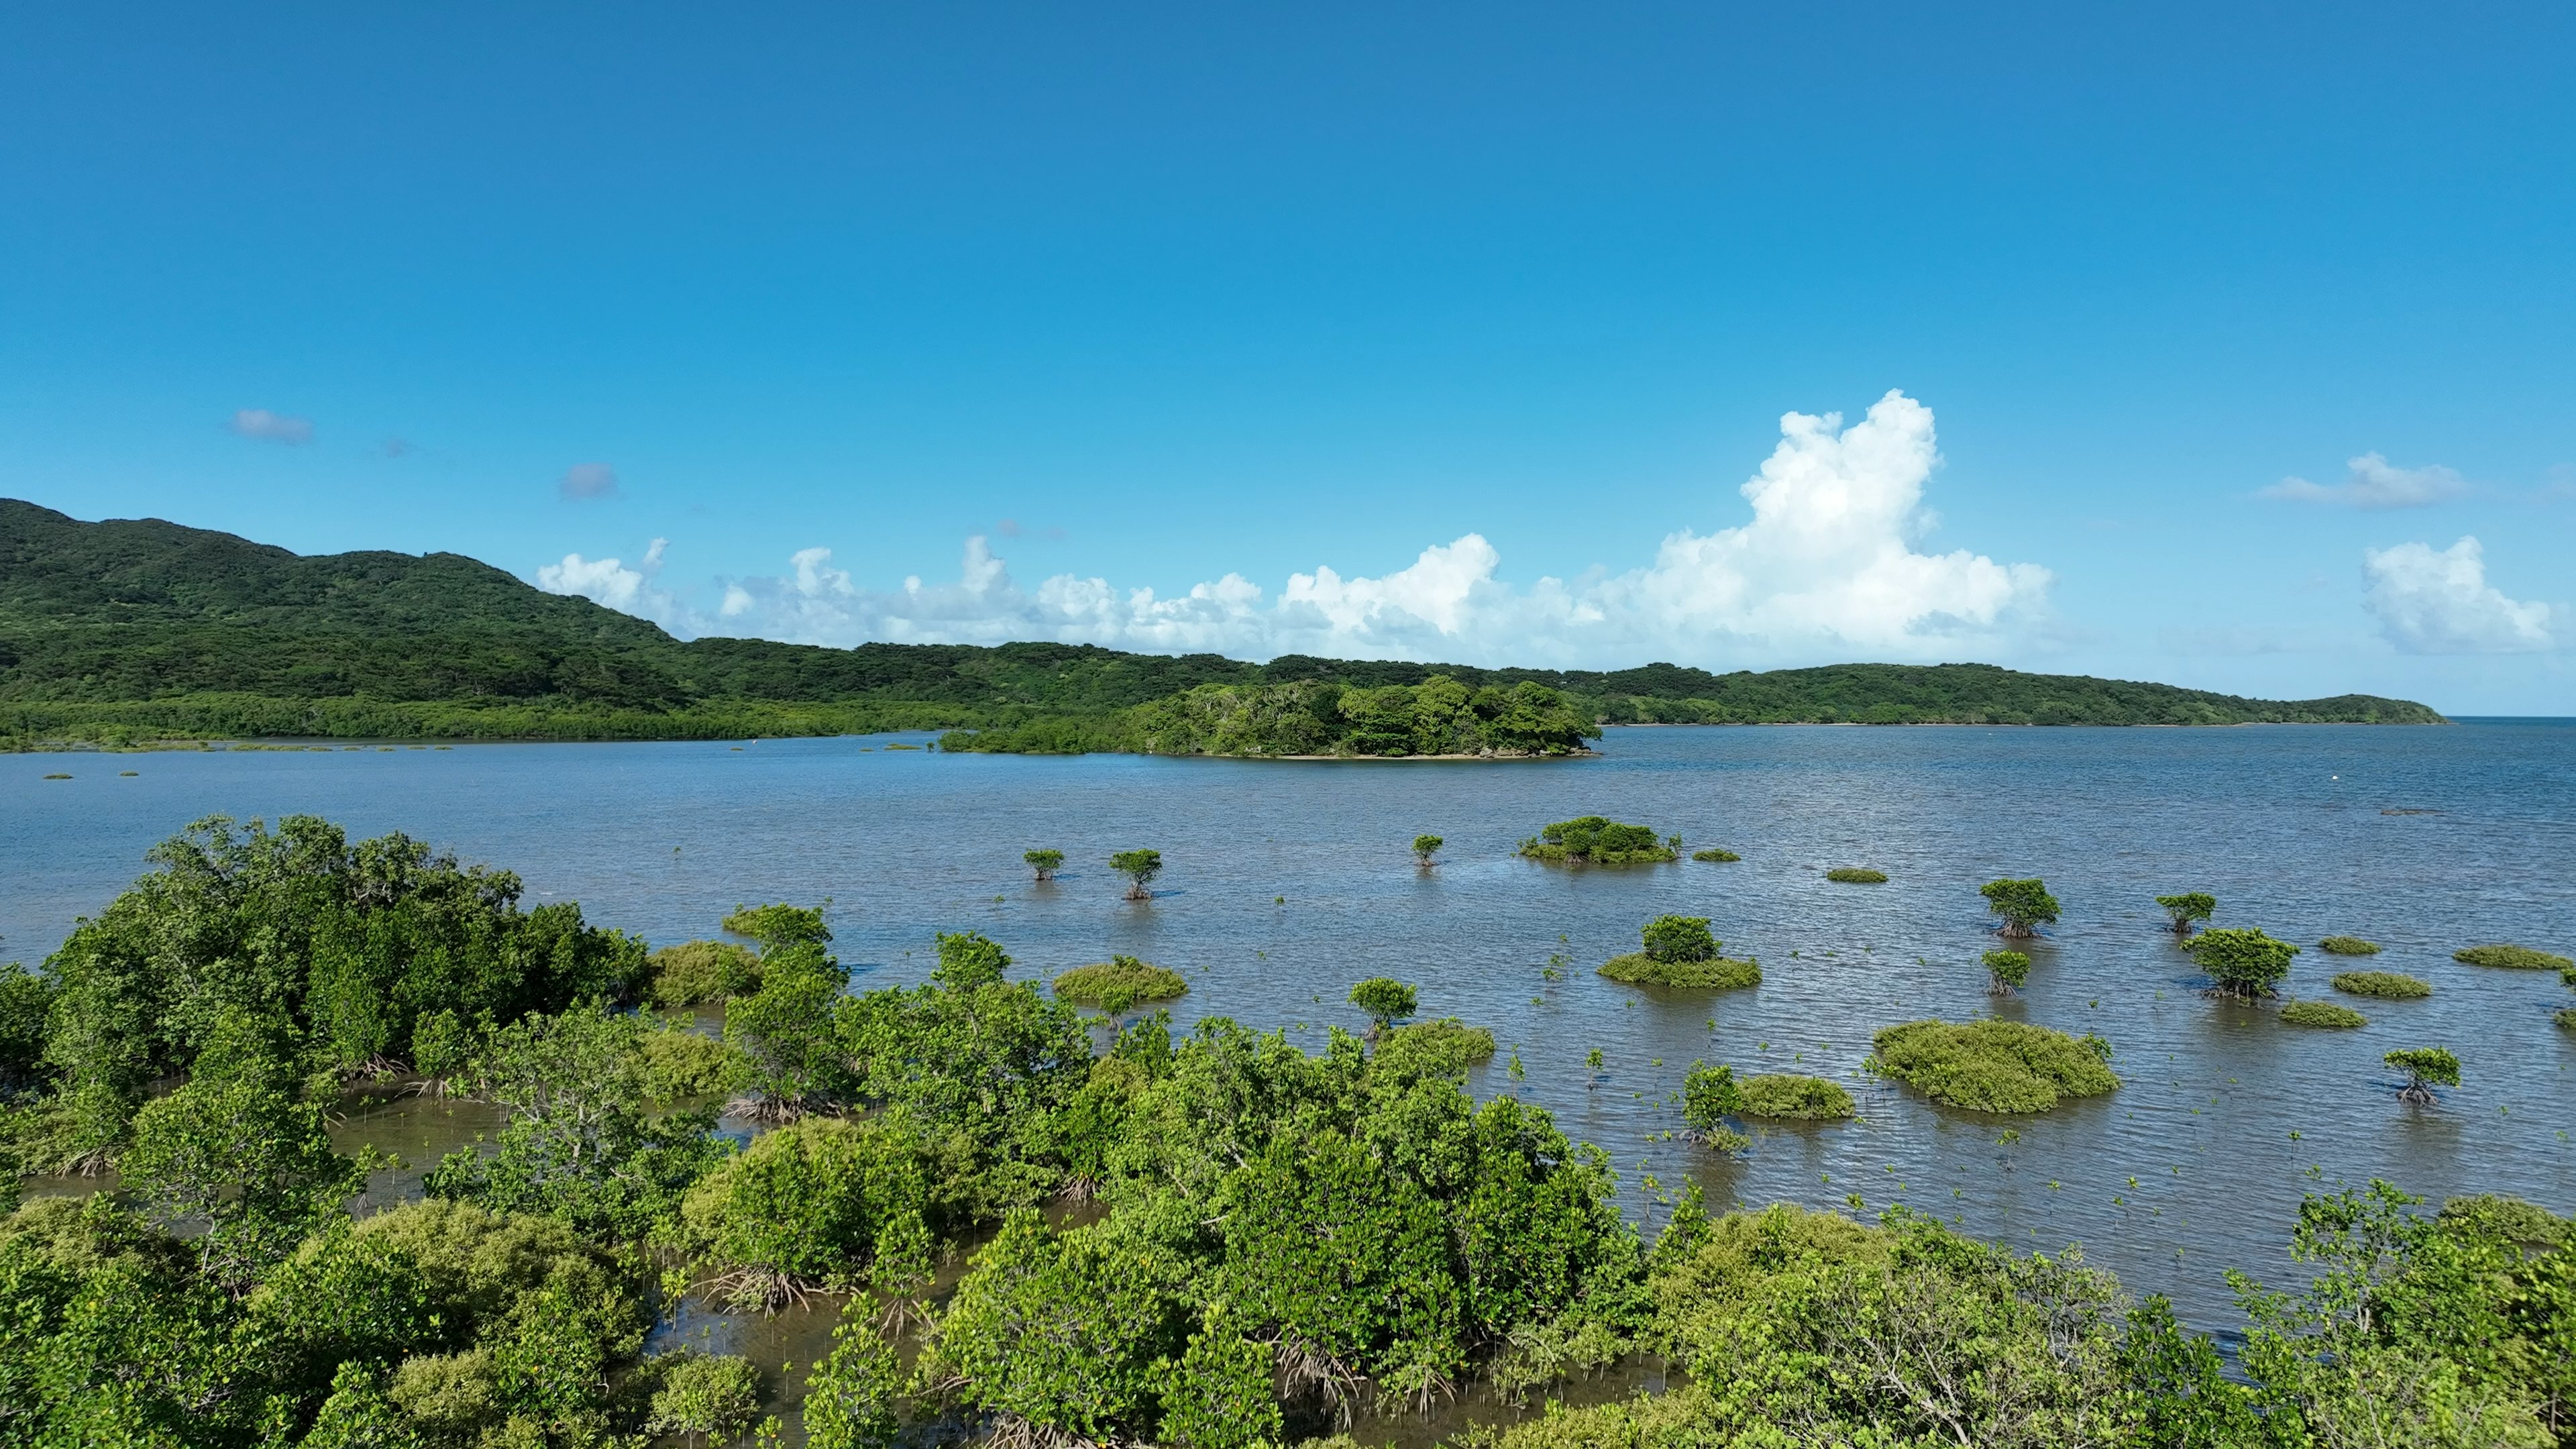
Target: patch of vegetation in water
(1856,875)
(1597,840)
(2322,1013)
(1446,1045)
(1679,951)
(2348,946)
(2512,958)
(1994,1066)
(1715,856)
(1119,983)
(1794,1098)
(2386,985)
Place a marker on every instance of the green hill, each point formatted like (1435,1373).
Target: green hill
(128,630)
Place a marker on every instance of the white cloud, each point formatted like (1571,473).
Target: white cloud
(588,480)
(271,427)
(2373,482)
(2430,602)
(634,591)
(1827,568)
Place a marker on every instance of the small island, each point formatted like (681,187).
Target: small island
(1681,952)
(2322,1013)
(1788,1097)
(2386,985)
(1994,1066)
(1596,840)
(1119,983)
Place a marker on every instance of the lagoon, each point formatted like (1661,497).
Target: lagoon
(1287,881)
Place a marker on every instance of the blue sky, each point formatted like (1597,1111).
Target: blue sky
(1224,298)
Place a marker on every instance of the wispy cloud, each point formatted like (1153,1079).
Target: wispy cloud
(1828,566)
(269,427)
(2372,482)
(399,447)
(588,480)
(2430,601)
(1013,528)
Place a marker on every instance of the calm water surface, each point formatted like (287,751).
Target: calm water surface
(1287,882)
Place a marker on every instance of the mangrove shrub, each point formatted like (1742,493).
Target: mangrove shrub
(1716,856)
(2322,1013)
(2023,905)
(1140,867)
(2425,1069)
(811,1205)
(1425,847)
(1856,875)
(2006,971)
(1709,1097)
(1679,938)
(1447,1046)
(1119,983)
(780,925)
(2512,958)
(2348,946)
(2241,961)
(2386,985)
(1044,862)
(1386,1001)
(1794,1098)
(1596,840)
(2188,909)
(694,973)
(1994,1066)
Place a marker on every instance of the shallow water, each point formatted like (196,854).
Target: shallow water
(1287,882)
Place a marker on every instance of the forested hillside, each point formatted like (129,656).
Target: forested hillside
(145,629)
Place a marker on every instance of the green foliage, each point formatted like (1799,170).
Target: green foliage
(1671,939)
(1426,846)
(1140,867)
(579,1142)
(1709,1097)
(779,925)
(2008,970)
(2386,985)
(2024,905)
(680,1065)
(1044,862)
(238,1149)
(808,1206)
(2425,1069)
(2508,1219)
(2187,908)
(1386,1001)
(348,948)
(2512,958)
(1118,983)
(1993,1066)
(1794,1098)
(1719,973)
(1074,1333)
(1595,840)
(2348,946)
(1446,1046)
(787,1036)
(694,973)
(1716,856)
(703,1399)
(2322,1013)
(1856,875)
(2241,962)
(851,1397)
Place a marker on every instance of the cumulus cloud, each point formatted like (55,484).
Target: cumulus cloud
(2373,482)
(636,590)
(588,480)
(1829,566)
(2439,602)
(269,427)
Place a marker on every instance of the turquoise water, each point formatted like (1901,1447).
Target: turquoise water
(1287,882)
